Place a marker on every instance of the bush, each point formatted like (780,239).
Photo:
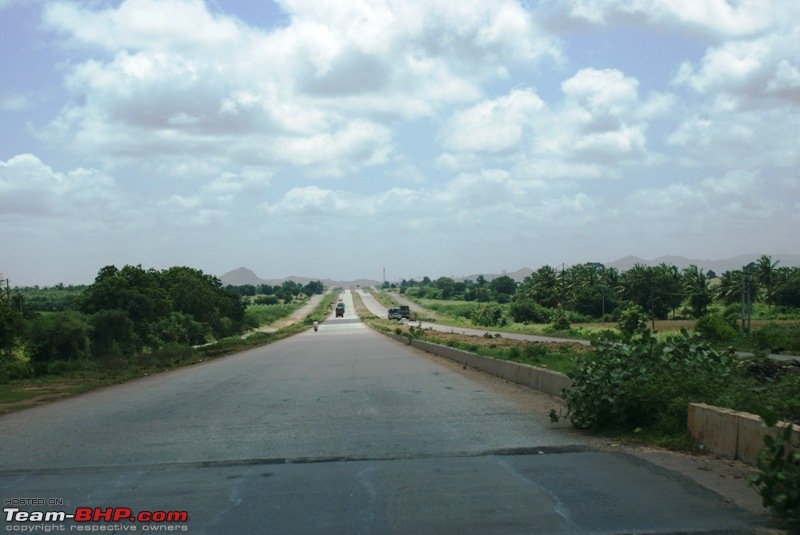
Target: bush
(180,329)
(59,336)
(14,368)
(488,316)
(716,328)
(529,311)
(561,323)
(632,320)
(535,352)
(641,382)
(173,353)
(778,482)
(777,337)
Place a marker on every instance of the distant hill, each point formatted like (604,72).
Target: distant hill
(718,266)
(242,276)
(518,275)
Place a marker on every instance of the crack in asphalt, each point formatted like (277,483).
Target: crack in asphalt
(227,463)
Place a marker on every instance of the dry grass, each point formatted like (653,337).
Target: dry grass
(26,396)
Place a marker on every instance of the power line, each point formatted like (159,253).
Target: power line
(787,249)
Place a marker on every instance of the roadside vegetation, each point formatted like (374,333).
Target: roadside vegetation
(661,339)
(132,322)
(752,309)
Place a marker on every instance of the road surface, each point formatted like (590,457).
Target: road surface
(339,431)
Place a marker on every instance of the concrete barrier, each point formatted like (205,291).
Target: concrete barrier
(729,434)
(540,379)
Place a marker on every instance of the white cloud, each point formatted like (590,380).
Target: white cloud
(30,188)
(738,182)
(714,17)
(599,125)
(494,126)
(170,79)
(17,102)
(748,72)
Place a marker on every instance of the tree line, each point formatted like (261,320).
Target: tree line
(589,291)
(125,312)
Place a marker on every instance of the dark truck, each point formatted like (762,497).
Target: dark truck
(399,313)
(340,310)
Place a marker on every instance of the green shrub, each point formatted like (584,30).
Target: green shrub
(14,368)
(641,382)
(716,328)
(58,336)
(526,310)
(778,482)
(777,337)
(535,352)
(488,316)
(173,353)
(632,320)
(561,323)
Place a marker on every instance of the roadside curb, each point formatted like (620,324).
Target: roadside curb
(729,434)
(541,379)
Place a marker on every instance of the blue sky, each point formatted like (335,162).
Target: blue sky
(334,139)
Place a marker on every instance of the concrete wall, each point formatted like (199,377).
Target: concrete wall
(727,433)
(540,379)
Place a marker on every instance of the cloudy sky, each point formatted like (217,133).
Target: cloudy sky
(334,139)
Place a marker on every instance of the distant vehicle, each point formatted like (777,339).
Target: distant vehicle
(340,310)
(400,312)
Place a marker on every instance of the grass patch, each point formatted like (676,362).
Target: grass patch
(556,356)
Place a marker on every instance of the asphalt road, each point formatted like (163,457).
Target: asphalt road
(339,431)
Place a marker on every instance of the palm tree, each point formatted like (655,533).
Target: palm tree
(696,285)
(765,277)
(730,287)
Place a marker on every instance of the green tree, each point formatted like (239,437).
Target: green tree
(113,334)
(765,278)
(137,291)
(11,328)
(589,289)
(59,336)
(503,288)
(697,286)
(656,289)
(541,286)
(202,297)
(179,328)
(729,290)
(446,285)
(788,293)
